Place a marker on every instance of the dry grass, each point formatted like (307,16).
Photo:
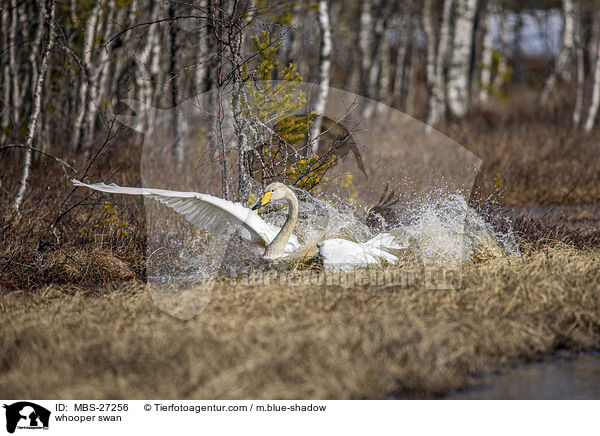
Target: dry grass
(300,342)
(540,157)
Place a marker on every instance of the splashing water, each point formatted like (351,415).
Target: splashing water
(435,229)
(441,229)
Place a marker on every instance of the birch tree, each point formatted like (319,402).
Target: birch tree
(147,68)
(458,70)
(364,44)
(16,100)
(202,51)
(177,146)
(6,77)
(436,60)
(485,79)
(324,68)
(580,71)
(86,70)
(595,100)
(126,18)
(97,70)
(502,68)
(565,55)
(35,110)
(404,66)
(374,51)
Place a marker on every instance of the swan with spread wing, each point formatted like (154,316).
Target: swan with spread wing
(216,214)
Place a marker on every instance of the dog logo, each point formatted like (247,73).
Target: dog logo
(26,415)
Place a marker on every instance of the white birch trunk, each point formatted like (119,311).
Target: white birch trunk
(324,75)
(364,45)
(297,37)
(122,60)
(177,146)
(6,82)
(35,112)
(378,51)
(502,68)
(35,49)
(595,102)
(14,69)
(106,64)
(147,69)
(580,73)
(561,68)
(404,64)
(97,67)
(88,42)
(437,84)
(458,70)
(202,51)
(485,79)
(429,31)
(383,84)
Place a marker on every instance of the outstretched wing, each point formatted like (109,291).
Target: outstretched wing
(211,213)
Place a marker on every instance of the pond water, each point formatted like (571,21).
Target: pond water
(565,378)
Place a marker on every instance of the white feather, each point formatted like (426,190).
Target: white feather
(203,210)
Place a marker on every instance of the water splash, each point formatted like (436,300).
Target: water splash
(440,229)
(436,229)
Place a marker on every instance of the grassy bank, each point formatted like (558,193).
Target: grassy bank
(300,342)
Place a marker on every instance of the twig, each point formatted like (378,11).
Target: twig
(62,163)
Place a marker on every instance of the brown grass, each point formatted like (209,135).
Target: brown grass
(300,342)
(540,157)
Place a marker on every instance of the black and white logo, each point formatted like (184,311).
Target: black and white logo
(26,415)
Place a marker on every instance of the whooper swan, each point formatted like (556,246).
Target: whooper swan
(215,214)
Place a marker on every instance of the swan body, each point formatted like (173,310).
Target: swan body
(344,255)
(216,214)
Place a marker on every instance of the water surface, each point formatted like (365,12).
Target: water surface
(565,378)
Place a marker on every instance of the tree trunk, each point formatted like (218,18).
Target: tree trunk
(177,146)
(404,63)
(437,62)
(14,69)
(202,51)
(502,69)
(147,70)
(324,67)
(121,62)
(6,78)
(99,69)
(297,37)
(561,68)
(595,102)
(364,45)
(35,111)
(580,72)
(458,70)
(485,79)
(106,63)
(239,102)
(86,71)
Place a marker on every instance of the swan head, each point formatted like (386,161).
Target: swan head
(274,192)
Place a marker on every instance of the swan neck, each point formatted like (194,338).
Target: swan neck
(277,246)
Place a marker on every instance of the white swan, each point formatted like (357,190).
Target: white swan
(215,214)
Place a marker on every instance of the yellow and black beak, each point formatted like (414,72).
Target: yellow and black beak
(264,200)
